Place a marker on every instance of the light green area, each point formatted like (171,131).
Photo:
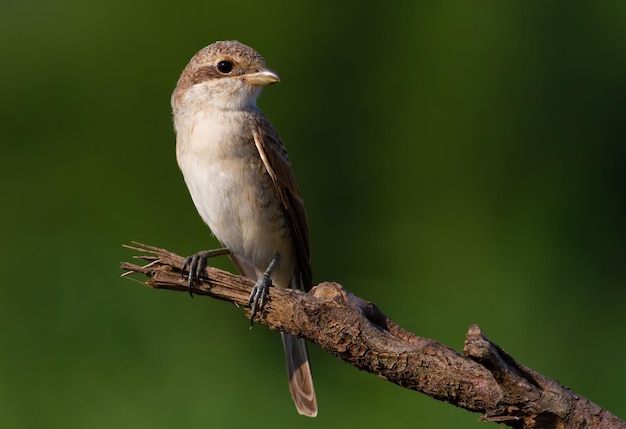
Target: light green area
(462,162)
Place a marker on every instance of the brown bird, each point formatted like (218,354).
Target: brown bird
(242,184)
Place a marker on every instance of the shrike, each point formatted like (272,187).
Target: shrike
(242,184)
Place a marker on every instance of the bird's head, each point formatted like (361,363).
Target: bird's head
(225,75)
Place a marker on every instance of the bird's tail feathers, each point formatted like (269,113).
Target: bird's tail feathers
(299,372)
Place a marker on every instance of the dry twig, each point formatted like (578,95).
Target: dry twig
(485,379)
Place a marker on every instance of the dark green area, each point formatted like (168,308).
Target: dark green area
(461,162)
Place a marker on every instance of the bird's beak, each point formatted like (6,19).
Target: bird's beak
(263,78)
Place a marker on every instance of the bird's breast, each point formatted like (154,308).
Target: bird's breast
(230,186)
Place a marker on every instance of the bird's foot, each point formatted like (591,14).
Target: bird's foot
(260,289)
(197,264)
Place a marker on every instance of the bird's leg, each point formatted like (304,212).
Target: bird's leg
(259,291)
(198,262)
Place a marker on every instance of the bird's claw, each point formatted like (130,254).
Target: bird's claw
(197,264)
(260,289)
(257,297)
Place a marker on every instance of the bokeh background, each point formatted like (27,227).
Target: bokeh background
(461,162)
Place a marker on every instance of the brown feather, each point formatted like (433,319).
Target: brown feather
(274,156)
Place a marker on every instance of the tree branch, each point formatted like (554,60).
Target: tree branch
(485,379)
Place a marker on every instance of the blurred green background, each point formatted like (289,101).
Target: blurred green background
(461,162)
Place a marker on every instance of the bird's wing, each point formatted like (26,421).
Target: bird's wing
(276,161)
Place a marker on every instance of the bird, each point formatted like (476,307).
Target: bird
(242,183)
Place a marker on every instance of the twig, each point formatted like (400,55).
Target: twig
(484,379)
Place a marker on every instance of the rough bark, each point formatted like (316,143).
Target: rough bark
(484,379)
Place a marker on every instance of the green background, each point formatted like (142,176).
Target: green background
(462,162)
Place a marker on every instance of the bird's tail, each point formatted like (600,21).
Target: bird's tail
(299,372)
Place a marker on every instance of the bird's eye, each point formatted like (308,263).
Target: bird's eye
(225,67)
